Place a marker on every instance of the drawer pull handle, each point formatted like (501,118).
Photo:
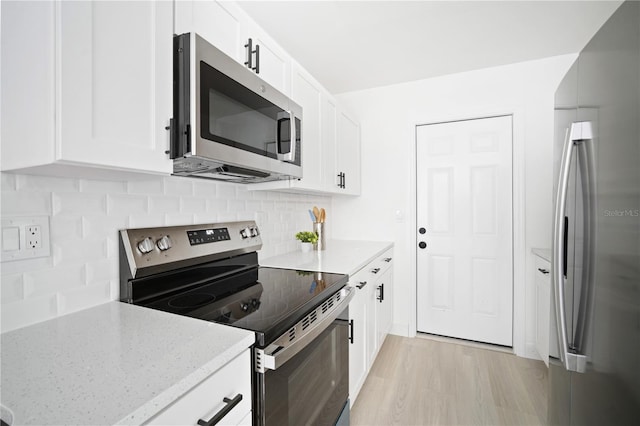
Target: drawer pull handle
(223,412)
(351,331)
(544,271)
(387,259)
(381,289)
(375,270)
(361,285)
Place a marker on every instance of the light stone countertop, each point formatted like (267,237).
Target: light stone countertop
(112,364)
(340,256)
(542,253)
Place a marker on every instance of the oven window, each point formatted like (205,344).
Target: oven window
(234,115)
(312,387)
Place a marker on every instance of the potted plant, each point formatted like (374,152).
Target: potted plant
(307,240)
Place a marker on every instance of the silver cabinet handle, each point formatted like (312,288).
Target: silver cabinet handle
(571,360)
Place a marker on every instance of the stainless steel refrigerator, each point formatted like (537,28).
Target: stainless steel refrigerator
(594,378)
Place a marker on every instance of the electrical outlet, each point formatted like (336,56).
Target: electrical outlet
(25,238)
(34,236)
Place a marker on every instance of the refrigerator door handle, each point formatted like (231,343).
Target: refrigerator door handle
(572,361)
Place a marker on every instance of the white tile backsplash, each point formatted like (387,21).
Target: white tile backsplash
(86,216)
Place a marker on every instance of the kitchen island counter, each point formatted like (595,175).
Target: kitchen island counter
(340,256)
(112,364)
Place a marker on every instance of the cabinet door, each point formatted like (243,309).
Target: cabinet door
(384,306)
(115,84)
(348,153)
(28,86)
(220,23)
(308,93)
(207,398)
(329,140)
(372,321)
(275,63)
(543,308)
(358,359)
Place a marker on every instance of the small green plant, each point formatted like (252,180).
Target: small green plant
(307,237)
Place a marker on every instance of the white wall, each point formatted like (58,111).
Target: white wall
(386,209)
(86,215)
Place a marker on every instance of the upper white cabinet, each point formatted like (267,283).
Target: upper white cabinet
(100,84)
(220,23)
(225,25)
(307,92)
(347,154)
(269,60)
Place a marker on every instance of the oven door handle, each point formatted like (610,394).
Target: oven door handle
(282,350)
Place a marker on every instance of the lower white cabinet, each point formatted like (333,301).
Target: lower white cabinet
(370,313)
(226,393)
(359,348)
(543,307)
(383,306)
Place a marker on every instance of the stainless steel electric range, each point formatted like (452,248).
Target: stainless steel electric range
(301,357)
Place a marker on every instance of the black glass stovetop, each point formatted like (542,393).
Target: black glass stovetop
(267,301)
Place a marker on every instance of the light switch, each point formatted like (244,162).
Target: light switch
(11,238)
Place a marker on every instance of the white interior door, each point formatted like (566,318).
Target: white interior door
(464,218)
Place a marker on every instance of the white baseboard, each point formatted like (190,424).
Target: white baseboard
(400,330)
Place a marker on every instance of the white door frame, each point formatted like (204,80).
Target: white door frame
(518,199)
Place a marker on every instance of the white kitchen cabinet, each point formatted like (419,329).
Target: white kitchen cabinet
(226,26)
(274,63)
(213,395)
(347,154)
(543,307)
(358,355)
(384,310)
(100,87)
(371,317)
(329,141)
(308,93)
(221,23)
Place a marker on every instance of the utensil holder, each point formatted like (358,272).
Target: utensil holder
(318,228)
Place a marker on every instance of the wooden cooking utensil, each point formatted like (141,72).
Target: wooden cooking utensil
(316,213)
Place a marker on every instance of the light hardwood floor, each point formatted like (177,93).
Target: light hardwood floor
(426,382)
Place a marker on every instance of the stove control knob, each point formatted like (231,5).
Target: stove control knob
(246,233)
(146,245)
(254,231)
(244,307)
(164,243)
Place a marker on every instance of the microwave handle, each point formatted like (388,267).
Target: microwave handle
(291,155)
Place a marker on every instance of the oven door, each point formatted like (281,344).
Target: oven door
(305,379)
(311,388)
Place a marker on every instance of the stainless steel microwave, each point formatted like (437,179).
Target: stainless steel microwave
(229,124)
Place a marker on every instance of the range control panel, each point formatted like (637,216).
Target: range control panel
(165,248)
(206,236)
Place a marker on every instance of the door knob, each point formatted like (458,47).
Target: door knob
(422,244)
(422,230)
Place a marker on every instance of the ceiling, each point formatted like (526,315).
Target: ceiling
(354,45)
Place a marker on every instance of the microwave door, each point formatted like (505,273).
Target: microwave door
(286,137)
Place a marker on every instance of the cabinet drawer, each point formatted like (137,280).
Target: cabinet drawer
(361,279)
(543,267)
(206,399)
(382,263)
